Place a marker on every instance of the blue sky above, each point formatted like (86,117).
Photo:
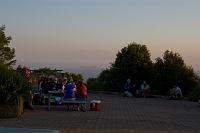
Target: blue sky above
(88,33)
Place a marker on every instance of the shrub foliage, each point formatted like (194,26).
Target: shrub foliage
(12,84)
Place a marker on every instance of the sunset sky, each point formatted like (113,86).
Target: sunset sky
(87,34)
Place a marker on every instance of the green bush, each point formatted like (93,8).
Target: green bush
(195,93)
(12,84)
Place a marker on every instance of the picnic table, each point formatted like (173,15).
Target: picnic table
(53,94)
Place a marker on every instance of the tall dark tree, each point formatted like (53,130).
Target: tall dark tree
(172,70)
(7,54)
(132,62)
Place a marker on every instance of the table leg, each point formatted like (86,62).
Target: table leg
(49,103)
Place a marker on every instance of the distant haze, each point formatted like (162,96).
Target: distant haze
(85,35)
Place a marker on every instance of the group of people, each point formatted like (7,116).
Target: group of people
(130,89)
(67,87)
(175,92)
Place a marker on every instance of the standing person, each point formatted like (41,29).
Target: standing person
(26,72)
(128,88)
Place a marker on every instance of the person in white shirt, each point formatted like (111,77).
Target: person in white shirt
(178,92)
(145,86)
(145,89)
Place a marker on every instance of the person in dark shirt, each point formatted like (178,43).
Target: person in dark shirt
(128,88)
(44,85)
(59,85)
(51,84)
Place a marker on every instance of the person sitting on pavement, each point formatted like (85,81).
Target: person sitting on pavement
(172,94)
(145,89)
(175,93)
(128,88)
(178,92)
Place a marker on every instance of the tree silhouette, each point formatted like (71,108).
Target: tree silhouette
(7,54)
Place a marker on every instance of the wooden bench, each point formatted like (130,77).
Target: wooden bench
(51,99)
(76,102)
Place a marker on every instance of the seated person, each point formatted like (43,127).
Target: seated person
(59,88)
(172,94)
(69,92)
(81,91)
(44,90)
(81,94)
(44,86)
(51,84)
(128,88)
(145,89)
(59,85)
(178,92)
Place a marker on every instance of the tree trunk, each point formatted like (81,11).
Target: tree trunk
(19,106)
(13,109)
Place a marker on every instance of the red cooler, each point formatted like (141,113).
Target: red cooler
(95,105)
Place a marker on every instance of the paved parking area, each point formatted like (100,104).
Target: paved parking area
(118,114)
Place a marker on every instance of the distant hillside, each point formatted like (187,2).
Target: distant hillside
(87,72)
